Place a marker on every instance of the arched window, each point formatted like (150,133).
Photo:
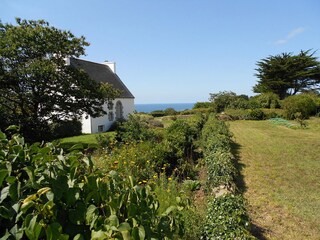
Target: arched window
(119,110)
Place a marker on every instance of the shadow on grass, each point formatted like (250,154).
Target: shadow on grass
(241,185)
(256,230)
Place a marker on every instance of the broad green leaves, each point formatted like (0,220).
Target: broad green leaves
(47,194)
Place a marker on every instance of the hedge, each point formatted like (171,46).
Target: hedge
(226,213)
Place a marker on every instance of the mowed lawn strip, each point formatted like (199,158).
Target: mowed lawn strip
(281,172)
(86,138)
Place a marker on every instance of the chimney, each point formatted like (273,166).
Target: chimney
(111,65)
(67,61)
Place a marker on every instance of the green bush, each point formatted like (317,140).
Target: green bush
(162,113)
(155,123)
(227,219)
(177,149)
(191,185)
(220,169)
(226,215)
(170,112)
(196,110)
(267,100)
(303,103)
(158,113)
(66,128)
(202,105)
(234,114)
(179,136)
(255,114)
(273,113)
(222,100)
(239,103)
(131,159)
(134,129)
(215,135)
(46,194)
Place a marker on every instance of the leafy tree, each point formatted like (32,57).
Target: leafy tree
(202,105)
(37,87)
(267,100)
(288,74)
(225,99)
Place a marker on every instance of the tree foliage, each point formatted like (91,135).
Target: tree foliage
(227,99)
(37,88)
(287,74)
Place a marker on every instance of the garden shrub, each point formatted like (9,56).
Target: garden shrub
(177,150)
(191,185)
(194,218)
(221,169)
(170,112)
(227,219)
(196,110)
(46,194)
(226,214)
(223,100)
(267,100)
(273,113)
(240,103)
(131,159)
(168,191)
(255,114)
(215,134)
(202,105)
(155,123)
(162,113)
(303,103)
(235,114)
(158,113)
(134,129)
(179,136)
(66,128)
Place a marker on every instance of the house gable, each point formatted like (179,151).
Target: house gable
(120,107)
(102,73)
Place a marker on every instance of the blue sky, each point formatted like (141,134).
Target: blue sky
(176,51)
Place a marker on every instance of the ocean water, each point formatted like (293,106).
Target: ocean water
(162,106)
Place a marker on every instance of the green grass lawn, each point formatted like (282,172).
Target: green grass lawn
(281,174)
(86,139)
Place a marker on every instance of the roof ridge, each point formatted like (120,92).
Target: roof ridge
(105,74)
(84,60)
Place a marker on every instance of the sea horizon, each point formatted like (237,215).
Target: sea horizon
(149,107)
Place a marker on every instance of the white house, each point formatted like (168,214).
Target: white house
(119,108)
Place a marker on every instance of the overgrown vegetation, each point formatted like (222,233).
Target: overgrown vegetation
(48,194)
(226,214)
(141,184)
(231,106)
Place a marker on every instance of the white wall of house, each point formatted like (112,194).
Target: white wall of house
(86,124)
(102,124)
